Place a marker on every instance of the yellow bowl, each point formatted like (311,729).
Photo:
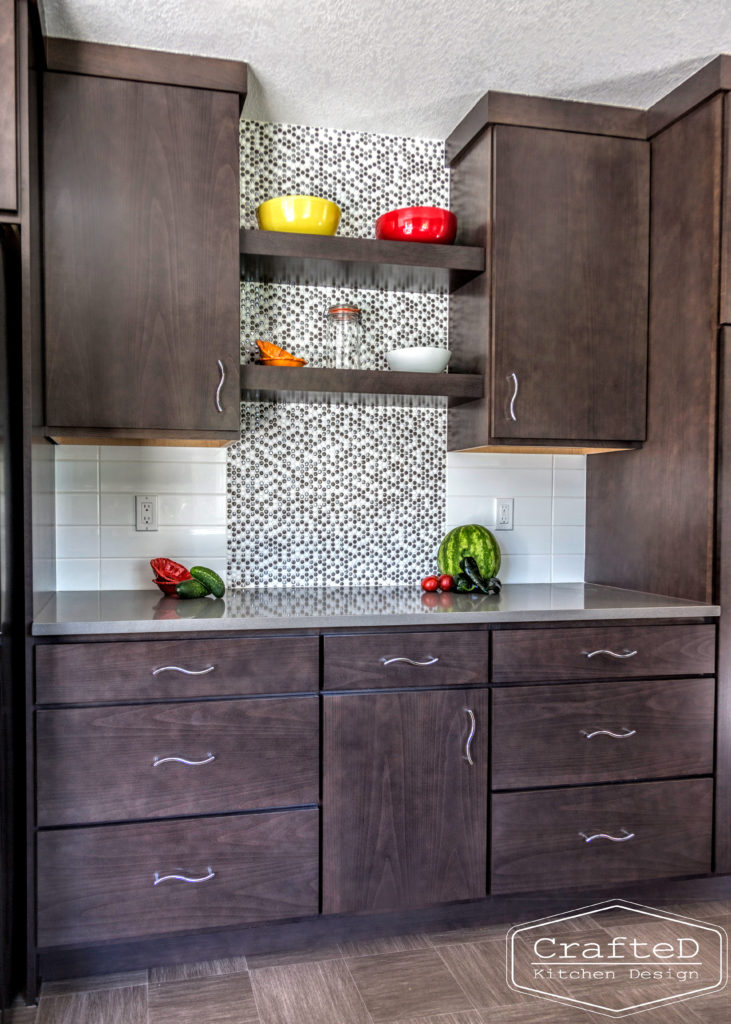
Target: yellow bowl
(304,215)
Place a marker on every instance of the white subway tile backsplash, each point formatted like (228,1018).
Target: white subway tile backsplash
(77,475)
(497,460)
(77,573)
(77,509)
(569,511)
(198,541)
(569,483)
(531,512)
(525,569)
(569,462)
(76,452)
(507,483)
(77,541)
(192,510)
(530,540)
(136,574)
(567,569)
(163,477)
(164,453)
(568,540)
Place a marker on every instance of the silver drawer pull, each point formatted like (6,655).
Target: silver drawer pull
(184,878)
(220,385)
(467,756)
(185,671)
(514,378)
(590,837)
(623,735)
(181,760)
(612,654)
(409,661)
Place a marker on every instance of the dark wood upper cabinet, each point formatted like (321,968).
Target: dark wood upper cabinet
(558,323)
(404,813)
(8,128)
(141,197)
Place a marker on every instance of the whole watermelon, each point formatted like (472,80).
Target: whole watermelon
(473,540)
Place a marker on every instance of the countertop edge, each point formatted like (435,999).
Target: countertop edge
(263,623)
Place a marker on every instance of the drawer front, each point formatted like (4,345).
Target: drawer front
(99,764)
(97,884)
(532,655)
(601,732)
(393,660)
(539,839)
(175,669)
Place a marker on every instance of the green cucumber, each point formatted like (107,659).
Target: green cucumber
(210,580)
(191,588)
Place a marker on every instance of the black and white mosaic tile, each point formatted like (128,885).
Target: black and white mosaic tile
(366,175)
(337,494)
(333,495)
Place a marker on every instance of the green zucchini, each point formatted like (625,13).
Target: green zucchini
(191,588)
(210,580)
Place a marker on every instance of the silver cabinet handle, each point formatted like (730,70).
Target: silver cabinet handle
(184,878)
(182,760)
(467,756)
(220,385)
(623,735)
(590,837)
(185,671)
(514,378)
(409,661)
(612,654)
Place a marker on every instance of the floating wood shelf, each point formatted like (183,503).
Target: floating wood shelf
(288,382)
(275,256)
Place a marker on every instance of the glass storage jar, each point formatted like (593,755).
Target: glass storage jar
(344,336)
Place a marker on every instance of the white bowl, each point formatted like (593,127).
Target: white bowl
(420,359)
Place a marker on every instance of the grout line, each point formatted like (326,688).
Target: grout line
(437,950)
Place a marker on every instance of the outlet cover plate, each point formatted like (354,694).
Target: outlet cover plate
(146,513)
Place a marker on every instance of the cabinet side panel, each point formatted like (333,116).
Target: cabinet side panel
(723,597)
(725,304)
(469,306)
(650,511)
(8,138)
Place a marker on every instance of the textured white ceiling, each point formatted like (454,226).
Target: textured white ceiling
(415,67)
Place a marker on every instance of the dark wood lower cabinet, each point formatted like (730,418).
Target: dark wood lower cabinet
(404,812)
(560,838)
(98,884)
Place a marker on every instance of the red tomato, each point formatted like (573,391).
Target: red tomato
(446,582)
(429,583)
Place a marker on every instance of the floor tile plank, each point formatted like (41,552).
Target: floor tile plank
(111,1006)
(203,969)
(303,955)
(219,999)
(388,944)
(479,967)
(397,986)
(98,983)
(322,992)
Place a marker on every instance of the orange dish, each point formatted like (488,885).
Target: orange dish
(284,361)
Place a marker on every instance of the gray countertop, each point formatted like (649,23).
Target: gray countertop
(71,613)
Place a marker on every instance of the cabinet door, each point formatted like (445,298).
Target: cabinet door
(404,812)
(570,271)
(8,146)
(141,221)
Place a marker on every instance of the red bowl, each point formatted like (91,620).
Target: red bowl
(167,587)
(417,224)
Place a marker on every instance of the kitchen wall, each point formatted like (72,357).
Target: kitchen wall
(353,492)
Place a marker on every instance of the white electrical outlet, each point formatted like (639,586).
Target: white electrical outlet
(146,512)
(504,514)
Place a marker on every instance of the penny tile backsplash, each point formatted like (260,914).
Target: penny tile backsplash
(354,492)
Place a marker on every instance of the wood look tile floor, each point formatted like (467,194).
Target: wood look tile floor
(455,977)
